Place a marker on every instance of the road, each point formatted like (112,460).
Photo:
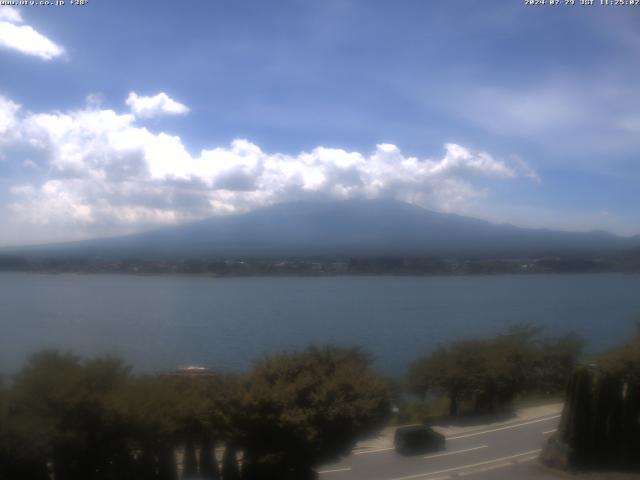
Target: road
(497,451)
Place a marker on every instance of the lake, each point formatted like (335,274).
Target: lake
(161,322)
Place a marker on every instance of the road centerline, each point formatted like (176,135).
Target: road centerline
(471,465)
(456,452)
(377,450)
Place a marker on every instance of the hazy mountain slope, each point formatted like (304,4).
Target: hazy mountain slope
(355,227)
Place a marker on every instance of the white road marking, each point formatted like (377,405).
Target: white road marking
(374,451)
(549,431)
(444,477)
(335,470)
(456,451)
(528,459)
(504,428)
(471,465)
(496,466)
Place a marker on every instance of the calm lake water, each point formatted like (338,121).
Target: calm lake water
(163,322)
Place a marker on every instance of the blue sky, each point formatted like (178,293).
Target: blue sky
(121,116)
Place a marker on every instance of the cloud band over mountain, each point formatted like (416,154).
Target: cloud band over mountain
(102,167)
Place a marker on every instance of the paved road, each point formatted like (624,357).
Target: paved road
(499,451)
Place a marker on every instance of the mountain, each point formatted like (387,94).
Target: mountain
(353,227)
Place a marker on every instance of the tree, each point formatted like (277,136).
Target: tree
(599,426)
(230,469)
(452,369)
(21,455)
(65,407)
(306,408)
(554,361)
(148,406)
(490,372)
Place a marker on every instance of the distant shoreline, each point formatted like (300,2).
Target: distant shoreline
(308,275)
(324,266)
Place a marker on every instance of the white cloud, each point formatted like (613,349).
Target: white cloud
(28,163)
(525,169)
(533,111)
(10,14)
(94,100)
(158,105)
(105,169)
(8,120)
(24,38)
(569,119)
(535,216)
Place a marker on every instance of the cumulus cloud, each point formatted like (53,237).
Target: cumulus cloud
(23,38)
(156,106)
(105,169)
(8,120)
(10,14)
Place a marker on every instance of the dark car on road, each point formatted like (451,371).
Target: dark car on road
(416,439)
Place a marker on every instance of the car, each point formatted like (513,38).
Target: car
(416,439)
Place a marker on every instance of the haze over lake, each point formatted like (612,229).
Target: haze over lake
(161,322)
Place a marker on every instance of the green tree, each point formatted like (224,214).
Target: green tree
(462,370)
(65,407)
(555,361)
(305,408)
(168,412)
(205,414)
(22,455)
(148,405)
(486,373)
(599,424)
(623,361)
